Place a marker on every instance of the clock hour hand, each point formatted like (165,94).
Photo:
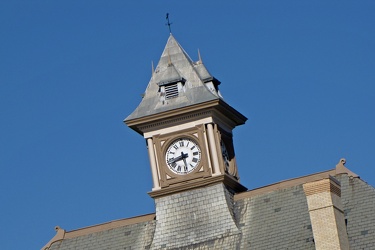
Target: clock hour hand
(184,156)
(185,168)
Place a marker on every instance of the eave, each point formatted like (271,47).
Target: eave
(217,104)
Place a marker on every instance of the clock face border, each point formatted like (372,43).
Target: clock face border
(182,155)
(161,142)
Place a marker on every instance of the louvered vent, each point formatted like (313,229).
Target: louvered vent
(171,91)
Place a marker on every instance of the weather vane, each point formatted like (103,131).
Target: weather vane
(168,23)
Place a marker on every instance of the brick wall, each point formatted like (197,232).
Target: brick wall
(326,214)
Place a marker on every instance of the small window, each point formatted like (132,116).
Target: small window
(171,91)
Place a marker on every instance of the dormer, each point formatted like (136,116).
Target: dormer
(170,83)
(211,82)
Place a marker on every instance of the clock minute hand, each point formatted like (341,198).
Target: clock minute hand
(178,158)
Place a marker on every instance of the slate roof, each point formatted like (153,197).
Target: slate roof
(358,199)
(271,217)
(276,220)
(175,65)
(131,233)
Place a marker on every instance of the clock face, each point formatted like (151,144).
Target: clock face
(225,155)
(183,156)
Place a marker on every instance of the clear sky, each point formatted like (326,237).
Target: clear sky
(303,72)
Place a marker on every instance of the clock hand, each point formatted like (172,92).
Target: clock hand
(185,168)
(184,156)
(178,158)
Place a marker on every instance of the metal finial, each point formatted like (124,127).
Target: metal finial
(152,68)
(168,23)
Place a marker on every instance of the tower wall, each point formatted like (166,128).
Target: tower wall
(194,216)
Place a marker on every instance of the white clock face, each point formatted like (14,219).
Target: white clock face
(183,156)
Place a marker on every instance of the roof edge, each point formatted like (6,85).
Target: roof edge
(217,104)
(339,169)
(285,184)
(109,225)
(62,234)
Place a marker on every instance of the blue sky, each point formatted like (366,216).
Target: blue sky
(71,71)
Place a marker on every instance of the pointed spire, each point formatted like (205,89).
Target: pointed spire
(199,57)
(175,67)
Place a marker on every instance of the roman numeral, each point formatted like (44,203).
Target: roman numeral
(192,147)
(179,168)
(174,164)
(195,153)
(175,146)
(181,143)
(195,160)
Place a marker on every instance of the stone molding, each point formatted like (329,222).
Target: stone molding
(198,183)
(215,107)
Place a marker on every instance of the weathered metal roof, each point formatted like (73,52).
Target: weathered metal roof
(175,66)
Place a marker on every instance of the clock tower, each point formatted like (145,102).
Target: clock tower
(188,129)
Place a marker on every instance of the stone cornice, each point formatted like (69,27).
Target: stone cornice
(198,183)
(182,114)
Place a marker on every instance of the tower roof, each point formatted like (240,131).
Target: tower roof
(190,82)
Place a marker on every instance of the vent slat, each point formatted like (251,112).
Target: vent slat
(171,91)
